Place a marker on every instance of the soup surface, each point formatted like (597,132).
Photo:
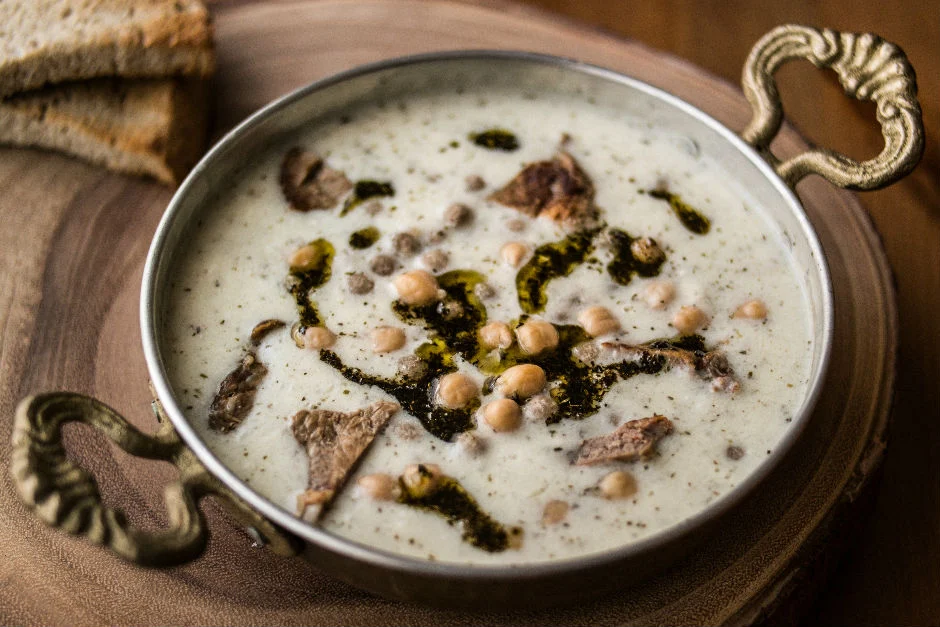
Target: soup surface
(460,235)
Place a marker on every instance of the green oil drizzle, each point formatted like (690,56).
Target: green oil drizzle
(690,218)
(304,282)
(364,238)
(496,139)
(363,190)
(414,395)
(550,261)
(452,501)
(457,318)
(625,263)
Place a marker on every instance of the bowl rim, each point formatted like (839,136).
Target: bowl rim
(464,571)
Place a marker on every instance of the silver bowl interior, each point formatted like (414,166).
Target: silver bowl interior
(478,70)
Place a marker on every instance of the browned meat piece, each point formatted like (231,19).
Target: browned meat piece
(335,441)
(631,441)
(558,189)
(263,328)
(308,183)
(712,365)
(236,394)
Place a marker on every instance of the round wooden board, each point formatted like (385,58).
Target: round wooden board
(72,249)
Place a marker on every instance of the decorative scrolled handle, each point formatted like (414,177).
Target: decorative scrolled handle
(869,68)
(66,496)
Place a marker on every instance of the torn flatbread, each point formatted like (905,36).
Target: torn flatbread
(236,394)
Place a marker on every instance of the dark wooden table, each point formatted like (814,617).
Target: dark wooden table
(891,575)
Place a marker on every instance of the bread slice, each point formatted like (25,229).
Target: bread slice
(54,41)
(150,127)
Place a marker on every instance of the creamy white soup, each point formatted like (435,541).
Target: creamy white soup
(568,329)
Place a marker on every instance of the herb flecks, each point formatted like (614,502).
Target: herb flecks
(496,139)
(632,255)
(452,501)
(363,190)
(303,282)
(414,395)
(690,218)
(364,238)
(551,261)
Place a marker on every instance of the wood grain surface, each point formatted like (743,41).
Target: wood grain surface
(74,238)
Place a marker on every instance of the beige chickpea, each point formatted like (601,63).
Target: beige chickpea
(456,390)
(598,321)
(503,414)
(496,335)
(379,486)
(689,319)
(540,407)
(521,381)
(305,258)
(387,339)
(514,253)
(417,287)
(617,485)
(319,337)
(470,443)
(658,294)
(537,336)
(554,512)
(421,479)
(752,309)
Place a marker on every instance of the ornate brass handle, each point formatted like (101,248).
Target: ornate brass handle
(869,68)
(66,496)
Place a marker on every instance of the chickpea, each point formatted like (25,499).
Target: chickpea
(379,486)
(458,215)
(503,414)
(474,183)
(753,309)
(421,479)
(540,407)
(435,260)
(412,367)
(617,485)
(383,265)
(598,321)
(358,283)
(484,291)
(554,512)
(387,339)
(406,244)
(417,287)
(496,335)
(646,250)
(658,294)
(305,258)
(516,225)
(456,390)
(319,337)
(521,381)
(470,443)
(537,336)
(514,253)
(689,319)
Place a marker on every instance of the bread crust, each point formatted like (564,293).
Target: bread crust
(53,41)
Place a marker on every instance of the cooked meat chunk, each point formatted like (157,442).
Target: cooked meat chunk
(335,441)
(308,183)
(631,441)
(263,328)
(710,365)
(558,189)
(236,394)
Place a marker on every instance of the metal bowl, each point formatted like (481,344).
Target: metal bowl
(65,495)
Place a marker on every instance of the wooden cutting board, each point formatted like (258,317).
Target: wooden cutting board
(72,248)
